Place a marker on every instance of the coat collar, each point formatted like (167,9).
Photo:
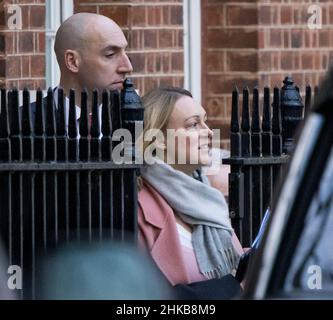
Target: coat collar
(166,250)
(153,206)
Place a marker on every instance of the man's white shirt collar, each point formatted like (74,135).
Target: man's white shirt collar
(77,110)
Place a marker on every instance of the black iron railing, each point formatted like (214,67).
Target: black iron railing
(259,147)
(59,183)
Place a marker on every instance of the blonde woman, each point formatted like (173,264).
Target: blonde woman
(184,223)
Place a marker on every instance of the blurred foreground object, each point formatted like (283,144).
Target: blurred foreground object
(111,271)
(295,258)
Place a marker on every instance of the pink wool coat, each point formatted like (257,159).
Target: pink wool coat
(158,234)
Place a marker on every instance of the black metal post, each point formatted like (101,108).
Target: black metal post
(247,171)
(291,113)
(236,177)
(256,170)
(132,114)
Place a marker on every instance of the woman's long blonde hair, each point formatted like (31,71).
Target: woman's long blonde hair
(158,106)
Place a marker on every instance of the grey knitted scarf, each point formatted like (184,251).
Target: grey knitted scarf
(205,209)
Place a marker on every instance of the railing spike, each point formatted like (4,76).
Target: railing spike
(308,96)
(26,116)
(84,123)
(4,118)
(276,120)
(61,115)
(255,124)
(72,121)
(234,111)
(106,117)
(95,127)
(39,114)
(266,119)
(245,125)
(50,114)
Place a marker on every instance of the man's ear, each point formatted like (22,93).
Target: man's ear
(72,60)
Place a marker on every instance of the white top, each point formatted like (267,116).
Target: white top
(185,236)
(191,262)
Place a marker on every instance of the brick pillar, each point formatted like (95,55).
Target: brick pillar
(154,30)
(22,50)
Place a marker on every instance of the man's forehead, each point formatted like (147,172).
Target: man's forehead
(114,47)
(107,35)
(110,40)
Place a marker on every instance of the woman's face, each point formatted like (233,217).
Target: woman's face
(189,140)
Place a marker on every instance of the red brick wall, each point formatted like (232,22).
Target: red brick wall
(229,56)
(154,30)
(287,45)
(258,43)
(247,42)
(22,52)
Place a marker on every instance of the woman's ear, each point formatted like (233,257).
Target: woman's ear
(72,60)
(160,144)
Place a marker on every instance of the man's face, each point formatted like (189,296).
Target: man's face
(103,60)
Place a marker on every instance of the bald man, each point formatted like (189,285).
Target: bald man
(91,53)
